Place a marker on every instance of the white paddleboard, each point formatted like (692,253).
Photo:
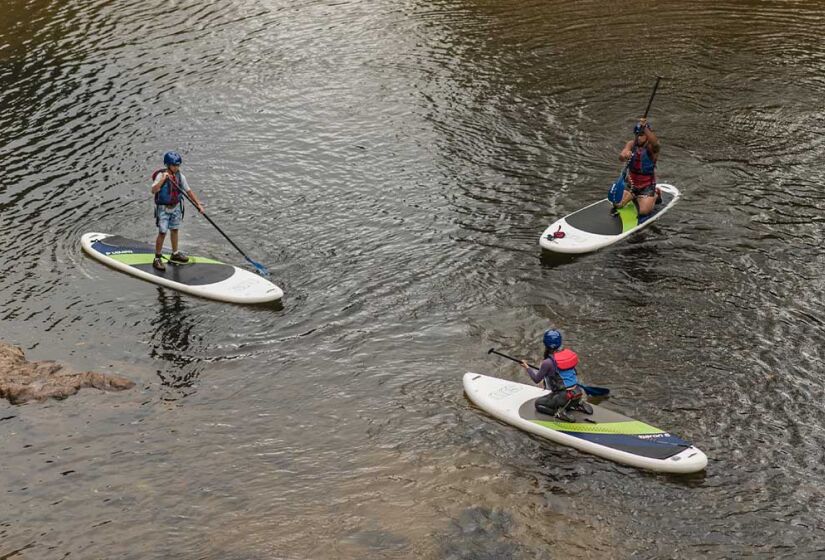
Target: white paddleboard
(594,227)
(201,276)
(605,433)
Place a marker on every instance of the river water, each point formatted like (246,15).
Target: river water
(393,164)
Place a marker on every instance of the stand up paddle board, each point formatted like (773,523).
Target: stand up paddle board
(604,433)
(203,277)
(594,226)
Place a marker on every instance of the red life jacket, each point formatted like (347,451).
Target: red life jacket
(169,193)
(566,359)
(642,167)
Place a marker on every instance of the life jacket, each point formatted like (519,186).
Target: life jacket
(642,168)
(169,193)
(566,362)
(641,163)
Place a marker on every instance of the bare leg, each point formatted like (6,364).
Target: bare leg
(626,197)
(159,243)
(174,237)
(646,204)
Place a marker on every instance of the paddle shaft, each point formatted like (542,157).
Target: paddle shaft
(652,95)
(257,265)
(494,351)
(186,196)
(618,187)
(589,389)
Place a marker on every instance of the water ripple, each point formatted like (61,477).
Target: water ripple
(393,165)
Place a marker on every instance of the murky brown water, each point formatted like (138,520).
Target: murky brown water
(393,164)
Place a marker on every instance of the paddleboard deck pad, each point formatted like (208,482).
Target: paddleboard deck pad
(200,276)
(595,226)
(604,433)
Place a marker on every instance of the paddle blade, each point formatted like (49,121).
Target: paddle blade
(595,391)
(259,267)
(616,192)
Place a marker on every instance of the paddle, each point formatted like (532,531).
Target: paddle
(616,192)
(258,266)
(590,390)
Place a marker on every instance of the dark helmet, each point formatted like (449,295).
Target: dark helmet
(172,158)
(552,339)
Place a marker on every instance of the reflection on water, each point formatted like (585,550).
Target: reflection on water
(393,165)
(637,260)
(173,329)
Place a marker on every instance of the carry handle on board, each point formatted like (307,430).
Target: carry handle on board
(589,389)
(616,191)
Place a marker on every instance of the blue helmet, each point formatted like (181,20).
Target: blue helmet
(639,129)
(172,158)
(552,339)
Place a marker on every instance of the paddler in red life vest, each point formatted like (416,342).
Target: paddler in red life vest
(558,373)
(643,152)
(167,186)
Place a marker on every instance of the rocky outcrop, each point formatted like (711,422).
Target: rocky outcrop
(22,381)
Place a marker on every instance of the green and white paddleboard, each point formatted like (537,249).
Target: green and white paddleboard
(594,227)
(605,433)
(201,276)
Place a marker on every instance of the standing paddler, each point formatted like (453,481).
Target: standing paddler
(169,186)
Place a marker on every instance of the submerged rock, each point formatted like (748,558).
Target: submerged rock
(22,381)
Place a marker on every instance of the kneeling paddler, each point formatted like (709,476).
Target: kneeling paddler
(558,373)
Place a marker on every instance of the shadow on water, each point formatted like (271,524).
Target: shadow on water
(637,261)
(478,533)
(549,259)
(691,480)
(277,305)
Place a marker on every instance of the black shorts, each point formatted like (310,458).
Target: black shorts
(649,190)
